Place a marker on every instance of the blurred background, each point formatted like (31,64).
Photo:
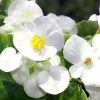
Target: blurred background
(76,9)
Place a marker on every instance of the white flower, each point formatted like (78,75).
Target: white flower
(85,59)
(22,11)
(55,60)
(22,73)
(95,17)
(31,87)
(9,59)
(52,80)
(94,92)
(66,23)
(39,40)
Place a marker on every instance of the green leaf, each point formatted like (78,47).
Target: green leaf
(98,31)
(67,36)
(73,92)
(1,19)
(6,40)
(51,97)
(3,93)
(86,28)
(15,91)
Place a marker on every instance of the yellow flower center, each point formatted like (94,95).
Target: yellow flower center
(37,41)
(29,14)
(88,61)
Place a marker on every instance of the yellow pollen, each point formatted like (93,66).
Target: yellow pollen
(88,61)
(37,41)
(29,14)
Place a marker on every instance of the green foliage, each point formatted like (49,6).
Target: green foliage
(74,92)
(6,40)
(86,28)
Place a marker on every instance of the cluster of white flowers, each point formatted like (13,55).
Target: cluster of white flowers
(38,39)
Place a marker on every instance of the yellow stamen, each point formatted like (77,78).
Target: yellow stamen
(29,14)
(88,61)
(37,41)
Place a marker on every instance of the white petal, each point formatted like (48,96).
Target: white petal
(21,42)
(94,92)
(54,81)
(31,87)
(93,17)
(96,41)
(51,15)
(99,20)
(54,61)
(51,31)
(76,48)
(18,12)
(11,64)
(91,73)
(21,74)
(76,70)
(68,24)
(6,29)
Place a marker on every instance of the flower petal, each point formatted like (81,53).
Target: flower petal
(76,70)
(22,43)
(31,87)
(68,24)
(93,17)
(22,11)
(11,64)
(96,41)
(54,81)
(51,31)
(54,61)
(94,92)
(91,73)
(21,74)
(75,49)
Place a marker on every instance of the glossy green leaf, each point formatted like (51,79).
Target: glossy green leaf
(73,92)
(86,28)
(6,40)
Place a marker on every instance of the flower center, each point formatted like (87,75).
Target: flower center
(37,41)
(88,61)
(29,14)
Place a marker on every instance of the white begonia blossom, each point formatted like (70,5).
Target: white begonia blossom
(54,60)
(31,87)
(66,23)
(52,80)
(9,59)
(39,40)
(22,11)
(22,73)
(94,92)
(85,59)
(95,17)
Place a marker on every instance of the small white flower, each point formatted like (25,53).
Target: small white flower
(94,92)
(95,17)
(53,80)
(66,23)
(22,73)
(9,60)
(22,11)
(39,40)
(31,87)
(55,60)
(85,59)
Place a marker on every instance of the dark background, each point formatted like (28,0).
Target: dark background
(76,9)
